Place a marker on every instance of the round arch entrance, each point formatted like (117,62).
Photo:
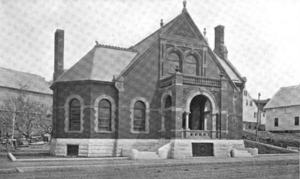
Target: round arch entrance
(200,113)
(199,119)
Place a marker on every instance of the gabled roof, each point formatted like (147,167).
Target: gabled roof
(229,69)
(147,42)
(144,45)
(286,96)
(99,64)
(102,67)
(16,79)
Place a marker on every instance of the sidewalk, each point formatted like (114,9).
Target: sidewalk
(7,166)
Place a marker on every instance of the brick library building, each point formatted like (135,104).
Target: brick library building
(169,94)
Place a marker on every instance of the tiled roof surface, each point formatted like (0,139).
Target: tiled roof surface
(100,64)
(286,96)
(16,79)
(103,62)
(229,71)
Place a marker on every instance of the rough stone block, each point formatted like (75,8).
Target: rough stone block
(134,154)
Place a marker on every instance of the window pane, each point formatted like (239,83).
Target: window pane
(104,115)
(172,66)
(74,115)
(75,103)
(191,59)
(276,122)
(296,121)
(104,103)
(168,102)
(191,69)
(173,57)
(139,116)
(139,105)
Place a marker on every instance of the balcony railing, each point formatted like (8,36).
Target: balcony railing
(197,134)
(189,80)
(198,80)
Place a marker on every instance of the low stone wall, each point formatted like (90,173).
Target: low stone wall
(177,148)
(101,147)
(266,148)
(182,148)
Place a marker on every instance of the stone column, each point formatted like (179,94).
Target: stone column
(163,122)
(187,120)
(213,126)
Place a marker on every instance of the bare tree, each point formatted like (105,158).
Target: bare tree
(25,115)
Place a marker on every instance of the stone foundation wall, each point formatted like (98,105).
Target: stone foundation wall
(180,148)
(102,147)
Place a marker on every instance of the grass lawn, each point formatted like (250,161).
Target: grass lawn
(278,139)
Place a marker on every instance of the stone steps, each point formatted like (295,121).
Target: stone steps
(241,153)
(155,147)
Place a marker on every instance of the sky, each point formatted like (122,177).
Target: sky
(262,36)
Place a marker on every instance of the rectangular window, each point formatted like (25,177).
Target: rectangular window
(74,122)
(276,122)
(264,114)
(139,120)
(72,150)
(250,103)
(254,114)
(297,121)
(204,72)
(104,119)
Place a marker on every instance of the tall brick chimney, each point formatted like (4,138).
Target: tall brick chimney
(220,48)
(58,53)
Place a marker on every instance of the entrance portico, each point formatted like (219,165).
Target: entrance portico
(199,119)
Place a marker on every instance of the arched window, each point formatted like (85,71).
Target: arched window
(139,122)
(74,113)
(191,65)
(173,61)
(168,102)
(104,115)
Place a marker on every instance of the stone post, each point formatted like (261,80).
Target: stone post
(187,120)
(178,91)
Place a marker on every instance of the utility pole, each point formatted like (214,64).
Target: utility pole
(257,118)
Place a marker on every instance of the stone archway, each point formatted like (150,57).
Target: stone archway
(200,113)
(206,122)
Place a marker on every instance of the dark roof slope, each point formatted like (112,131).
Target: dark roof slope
(102,62)
(286,96)
(99,64)
(15,79)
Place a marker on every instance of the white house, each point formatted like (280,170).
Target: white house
(283,110)
(250,110)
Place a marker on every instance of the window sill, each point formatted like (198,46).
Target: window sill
(108,132)
(74,131)
(139,132)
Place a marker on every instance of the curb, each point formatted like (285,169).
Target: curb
(68,159)
(130,166)
(9,170)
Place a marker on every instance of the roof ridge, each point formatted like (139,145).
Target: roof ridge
(24,72)
(114,47)
(293,86)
